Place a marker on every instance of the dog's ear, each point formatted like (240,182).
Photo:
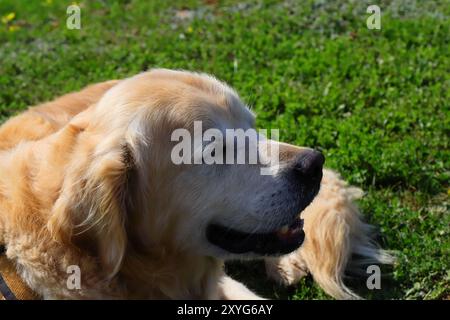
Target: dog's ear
(91,210)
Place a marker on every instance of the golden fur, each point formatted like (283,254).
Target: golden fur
(66,178)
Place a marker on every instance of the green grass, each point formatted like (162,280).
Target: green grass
(376,102)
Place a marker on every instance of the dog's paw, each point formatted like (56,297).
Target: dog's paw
(286,270)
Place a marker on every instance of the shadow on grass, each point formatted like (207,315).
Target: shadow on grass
(389,287)
(253,275)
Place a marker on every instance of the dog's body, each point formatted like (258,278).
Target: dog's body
(78,186)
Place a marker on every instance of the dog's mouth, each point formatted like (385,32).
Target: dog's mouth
(281,241)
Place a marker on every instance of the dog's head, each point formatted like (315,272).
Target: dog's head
(144,174)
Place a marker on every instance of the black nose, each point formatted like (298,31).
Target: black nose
(309,163)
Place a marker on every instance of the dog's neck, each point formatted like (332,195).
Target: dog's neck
(164,275)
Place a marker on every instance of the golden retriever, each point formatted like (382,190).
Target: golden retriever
(87,180)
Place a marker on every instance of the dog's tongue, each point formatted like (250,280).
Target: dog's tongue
(292,231)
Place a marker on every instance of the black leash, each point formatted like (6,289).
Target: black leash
(4,288)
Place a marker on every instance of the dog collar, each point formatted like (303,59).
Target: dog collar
(12,286)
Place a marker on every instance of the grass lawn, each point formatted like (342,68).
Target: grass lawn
(375,102)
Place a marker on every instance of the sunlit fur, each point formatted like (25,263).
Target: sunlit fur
(68,196)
